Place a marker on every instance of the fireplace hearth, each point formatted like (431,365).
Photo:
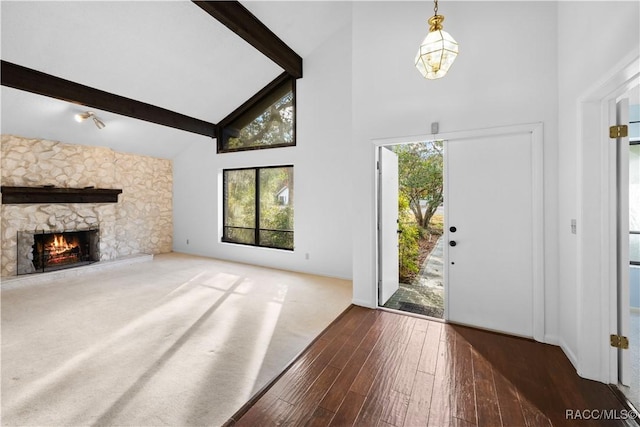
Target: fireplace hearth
(50,251)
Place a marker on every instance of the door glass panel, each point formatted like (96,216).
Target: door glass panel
(634,203)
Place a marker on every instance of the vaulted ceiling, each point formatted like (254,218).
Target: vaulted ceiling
(168,53)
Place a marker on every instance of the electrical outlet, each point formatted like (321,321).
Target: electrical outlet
(574,227)
(187,241)
(306,256)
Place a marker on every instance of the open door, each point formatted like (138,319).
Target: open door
(388,225)
(619,115)
(492,210)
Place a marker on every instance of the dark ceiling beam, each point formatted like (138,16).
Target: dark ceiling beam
(242,22)
(27,79)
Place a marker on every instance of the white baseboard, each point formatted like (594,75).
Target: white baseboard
(552,339)
(570,355)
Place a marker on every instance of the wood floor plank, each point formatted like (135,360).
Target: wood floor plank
(509,402)
(351,314)
(443,387)
(457,422)
(353,323)
(320,418)
(422,324)
(448,332)
(301,412)
(420,400)
(298,386)
(401,331)
(347,322)
(259,411)
(487,406)
(367,374)
(274,415)
(343,383)
(394,409)
(409,366)
(464,400)
(430,347)
(299,368)
(381,404)
(354,341)
(338,390)
(533,416)
(348,411)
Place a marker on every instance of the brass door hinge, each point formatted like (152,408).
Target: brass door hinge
(619,341)
(618,131)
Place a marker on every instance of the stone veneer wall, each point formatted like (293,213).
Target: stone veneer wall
(141,221)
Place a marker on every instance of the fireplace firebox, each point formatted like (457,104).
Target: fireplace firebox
(50,251)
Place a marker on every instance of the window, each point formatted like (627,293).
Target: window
(258,206)
(265,121)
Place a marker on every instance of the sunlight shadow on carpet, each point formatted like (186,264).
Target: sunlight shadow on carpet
(123,342)
(186,342)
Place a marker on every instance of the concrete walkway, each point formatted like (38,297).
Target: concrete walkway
(432,271)
(426,294)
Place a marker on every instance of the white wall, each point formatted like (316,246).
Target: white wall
(322,200)
(505,74)
(586,52)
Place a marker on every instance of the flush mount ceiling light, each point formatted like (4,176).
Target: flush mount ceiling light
(437,51)
(81,117)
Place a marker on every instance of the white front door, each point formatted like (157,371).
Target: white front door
(491,208)
(388,225)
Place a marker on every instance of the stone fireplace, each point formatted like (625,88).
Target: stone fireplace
(139,222)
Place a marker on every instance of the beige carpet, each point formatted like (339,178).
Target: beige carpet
(179,341)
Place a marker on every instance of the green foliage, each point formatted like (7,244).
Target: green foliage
(408,238)
(420,168)
(275,220)
(272,125)
(240,202)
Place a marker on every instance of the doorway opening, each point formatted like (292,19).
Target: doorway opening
(631,380)
(419,223)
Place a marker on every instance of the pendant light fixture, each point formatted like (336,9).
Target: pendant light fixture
(437,51)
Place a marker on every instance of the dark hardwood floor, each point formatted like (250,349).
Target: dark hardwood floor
(376,368)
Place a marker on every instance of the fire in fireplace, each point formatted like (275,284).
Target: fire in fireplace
(54,251)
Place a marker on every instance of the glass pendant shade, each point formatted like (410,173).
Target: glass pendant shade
(437,51)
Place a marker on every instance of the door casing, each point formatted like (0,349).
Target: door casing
(596,268)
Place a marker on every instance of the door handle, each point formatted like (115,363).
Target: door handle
(452,243)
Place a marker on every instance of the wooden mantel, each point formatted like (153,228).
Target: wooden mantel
(50,194)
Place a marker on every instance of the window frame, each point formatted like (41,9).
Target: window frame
(256,227)
(264,93)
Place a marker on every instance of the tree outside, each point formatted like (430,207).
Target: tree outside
(268,123)
(420,168)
